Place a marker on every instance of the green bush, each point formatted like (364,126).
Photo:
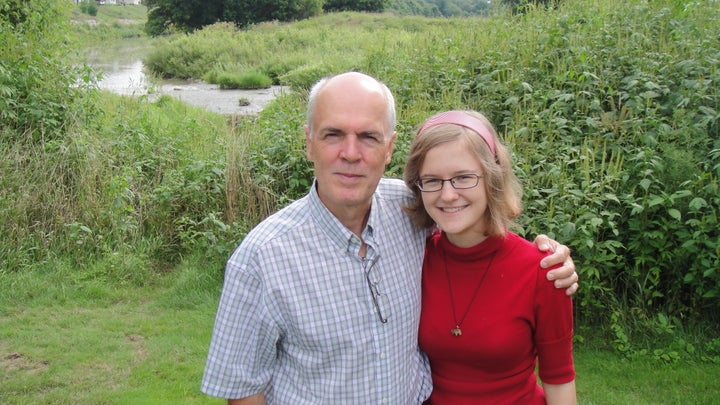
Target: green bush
(609,107)
(39,93)
(88,7)
(247,80)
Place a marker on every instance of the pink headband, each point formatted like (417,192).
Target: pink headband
(464,120)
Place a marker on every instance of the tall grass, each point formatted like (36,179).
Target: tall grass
(610,108)
(117,214)
(112,23)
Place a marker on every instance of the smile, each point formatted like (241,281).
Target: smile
(452,210)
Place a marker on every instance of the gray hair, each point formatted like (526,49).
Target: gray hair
(320,84)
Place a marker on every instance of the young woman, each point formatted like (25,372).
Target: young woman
(488,313)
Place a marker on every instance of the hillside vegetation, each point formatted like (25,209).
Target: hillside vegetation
(118,213)
(611,109)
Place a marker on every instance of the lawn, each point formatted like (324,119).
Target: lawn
(82,342)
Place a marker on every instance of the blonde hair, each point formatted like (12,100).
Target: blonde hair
(503,190)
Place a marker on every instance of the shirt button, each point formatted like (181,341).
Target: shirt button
(384,401)
(382,356)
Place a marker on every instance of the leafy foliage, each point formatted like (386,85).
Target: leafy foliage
(441,8)
(185,15)
(38,91)
(355,5)
(614,129)
(610,107)
(88,7)
(522,6)
(190,15)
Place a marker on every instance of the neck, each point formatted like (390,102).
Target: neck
(356,223)
(466,241)
(353,219)
(353,216)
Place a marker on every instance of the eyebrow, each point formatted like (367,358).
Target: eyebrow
(453,174)
(369,132)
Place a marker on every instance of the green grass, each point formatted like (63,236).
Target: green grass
(69,342)
(606,378)
(147,345)
(129,352)
(592,98)
(112,23)
(111,14)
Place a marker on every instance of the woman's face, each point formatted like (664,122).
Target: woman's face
(460,213)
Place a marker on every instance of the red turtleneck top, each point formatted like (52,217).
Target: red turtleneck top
(517,316)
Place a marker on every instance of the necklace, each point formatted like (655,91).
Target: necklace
(456,331)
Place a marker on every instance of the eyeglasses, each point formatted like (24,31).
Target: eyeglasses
(380,300)
(460,182)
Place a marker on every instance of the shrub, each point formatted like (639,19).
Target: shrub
(247,80)
(40,92)
(88,7)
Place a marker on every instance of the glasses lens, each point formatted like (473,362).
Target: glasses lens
(430,184)
(465,181)
(458,182)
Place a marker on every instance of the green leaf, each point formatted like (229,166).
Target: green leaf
(674,213)
(697,203)
(655,201)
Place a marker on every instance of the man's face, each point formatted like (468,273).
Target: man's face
(350,144)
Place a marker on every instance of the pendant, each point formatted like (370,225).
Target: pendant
(456,331)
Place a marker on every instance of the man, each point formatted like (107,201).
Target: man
(321,301)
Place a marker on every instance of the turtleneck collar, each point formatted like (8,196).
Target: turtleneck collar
(480,251)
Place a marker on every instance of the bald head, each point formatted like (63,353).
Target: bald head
(351,85)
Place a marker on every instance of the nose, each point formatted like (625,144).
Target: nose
(447,191)
(350,148)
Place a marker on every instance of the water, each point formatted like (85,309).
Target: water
(125,78)
(125,75)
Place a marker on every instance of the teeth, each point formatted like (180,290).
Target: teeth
(451,210)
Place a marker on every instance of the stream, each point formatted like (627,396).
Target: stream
(123,73)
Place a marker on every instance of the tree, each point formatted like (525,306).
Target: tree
(440,8)
(519,6)
(356,5)
(246,12)
(185,15)
(189,15)
(290,10)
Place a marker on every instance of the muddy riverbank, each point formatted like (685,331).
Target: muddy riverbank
(127,77)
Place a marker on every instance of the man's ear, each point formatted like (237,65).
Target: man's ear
(391,145)
(308,143)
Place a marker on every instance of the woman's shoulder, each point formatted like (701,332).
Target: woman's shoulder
(518,247)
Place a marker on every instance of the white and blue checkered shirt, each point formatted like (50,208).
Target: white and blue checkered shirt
(297,319)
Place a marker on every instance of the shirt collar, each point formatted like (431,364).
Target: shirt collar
(340,236)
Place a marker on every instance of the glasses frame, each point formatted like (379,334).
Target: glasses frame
(451,180)
(380,300)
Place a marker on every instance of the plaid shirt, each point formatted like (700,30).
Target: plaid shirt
(297,318)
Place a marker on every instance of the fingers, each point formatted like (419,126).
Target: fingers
(561,254)
(564,276)
(563,250)
(544,243)
(567,281)
(572,289)
(570,283)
